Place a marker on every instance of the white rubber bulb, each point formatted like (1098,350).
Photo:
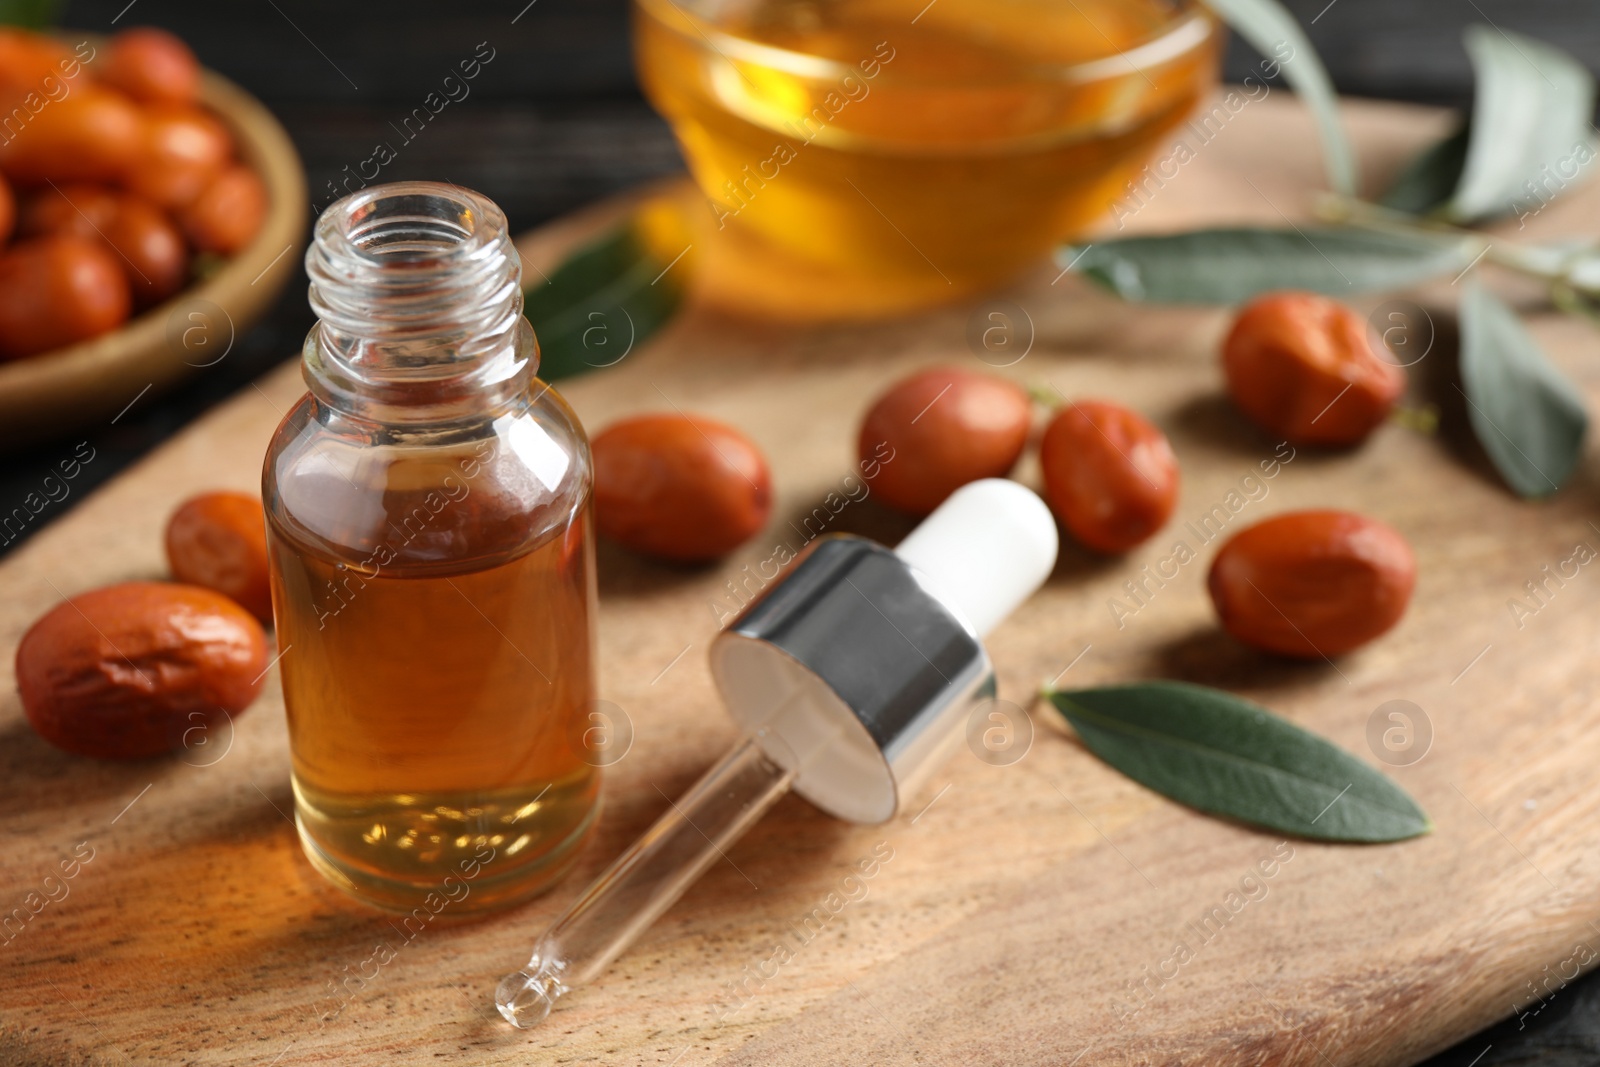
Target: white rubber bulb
(985,550)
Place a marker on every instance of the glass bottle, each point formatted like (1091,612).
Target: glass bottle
(428,518)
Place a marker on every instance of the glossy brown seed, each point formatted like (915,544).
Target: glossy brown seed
(150,249)
(218,540)
(939,429)
(151,65)
(57,289)
(144,241)
(34,63)
(1312,584)
(92,135)
(679,487)
(137,669)
(181,152)
(1303,368)
(81,209)
(227,213)
(1109,475)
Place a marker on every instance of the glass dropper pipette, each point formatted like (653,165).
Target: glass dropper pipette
(853,676)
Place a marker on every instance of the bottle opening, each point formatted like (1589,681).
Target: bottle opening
(418,292)
(416,222)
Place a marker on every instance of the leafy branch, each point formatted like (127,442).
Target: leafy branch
(1528,141)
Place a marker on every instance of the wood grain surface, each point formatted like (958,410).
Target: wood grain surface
(1031,913)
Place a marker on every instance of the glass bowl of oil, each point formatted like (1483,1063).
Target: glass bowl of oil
(860,158)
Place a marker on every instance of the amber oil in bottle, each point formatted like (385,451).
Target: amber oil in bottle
(428,511)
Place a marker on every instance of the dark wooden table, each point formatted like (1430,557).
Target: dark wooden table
(555,120)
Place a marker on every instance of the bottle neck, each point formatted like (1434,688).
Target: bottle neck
(418,295)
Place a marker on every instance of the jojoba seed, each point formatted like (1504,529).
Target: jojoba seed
(91,135)
(28,59)
(56,290)
(218,541)
(679,487)
(79,209)
(8,211)
(133,670)
(1303,368)
(182,151)
(152,66)
(1312,584)
(227,213)
(150,249)
(145,243)
(939,429)
(1109,475)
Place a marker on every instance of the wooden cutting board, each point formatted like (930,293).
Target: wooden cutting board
(1031,913)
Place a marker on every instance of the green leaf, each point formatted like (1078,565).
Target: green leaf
(1226,756)
(34,14)
(602,302)
(1531,111)
(1431,179)
(1229,265)
(1529,418)
(1273,32)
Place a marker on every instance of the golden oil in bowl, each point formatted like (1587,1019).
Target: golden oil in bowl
(865,157)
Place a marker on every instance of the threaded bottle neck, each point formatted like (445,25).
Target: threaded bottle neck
(418,294)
